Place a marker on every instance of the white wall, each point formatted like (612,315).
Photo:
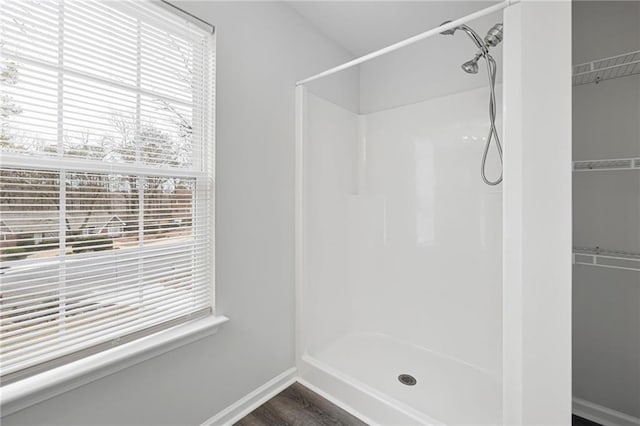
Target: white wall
(606,317)
(263,48)
(330,178)
(537,214)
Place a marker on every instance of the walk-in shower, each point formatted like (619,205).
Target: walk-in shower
(492,39)
(402,314)
(399,244)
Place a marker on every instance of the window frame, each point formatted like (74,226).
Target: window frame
(38,387)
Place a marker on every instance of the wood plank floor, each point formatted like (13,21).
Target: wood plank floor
(299,406)
(579,421)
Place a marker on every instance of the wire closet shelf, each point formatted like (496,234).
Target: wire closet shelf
(607,165)
(607,68)
(605,258)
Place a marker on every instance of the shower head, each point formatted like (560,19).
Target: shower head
(471,67)
(493,38)
(494,35)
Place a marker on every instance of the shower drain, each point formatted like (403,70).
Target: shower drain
(407,379)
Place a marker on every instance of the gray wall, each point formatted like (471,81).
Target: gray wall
(263,48)
(606,302)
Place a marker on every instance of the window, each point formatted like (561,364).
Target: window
(106,177)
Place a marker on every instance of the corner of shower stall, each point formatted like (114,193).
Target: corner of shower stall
(399,247)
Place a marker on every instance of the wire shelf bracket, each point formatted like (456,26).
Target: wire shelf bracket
(604,258)
(605,165)
(607,68)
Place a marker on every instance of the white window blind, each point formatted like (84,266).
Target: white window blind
(106,177)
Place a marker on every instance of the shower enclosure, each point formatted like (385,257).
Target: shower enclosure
(402,244)
(399,238)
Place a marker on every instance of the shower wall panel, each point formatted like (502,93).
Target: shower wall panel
(434,268)
(401,237)
(330,178)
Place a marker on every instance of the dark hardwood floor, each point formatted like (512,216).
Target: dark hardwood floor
(299,406)
(579,421)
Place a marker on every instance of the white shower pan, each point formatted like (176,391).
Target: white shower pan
(446,388)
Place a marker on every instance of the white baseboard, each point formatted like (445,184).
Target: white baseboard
(253,400)
(603,415)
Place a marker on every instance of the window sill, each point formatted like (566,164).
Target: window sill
(32,390)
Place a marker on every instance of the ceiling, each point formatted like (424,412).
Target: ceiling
(364,26)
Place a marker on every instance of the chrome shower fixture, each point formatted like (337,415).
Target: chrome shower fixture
(471,67)
(474,36)
(494,35)
(492,39)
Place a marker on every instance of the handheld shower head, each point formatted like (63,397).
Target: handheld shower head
(493,38)
(469,31)
(471,67)
(494,35)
